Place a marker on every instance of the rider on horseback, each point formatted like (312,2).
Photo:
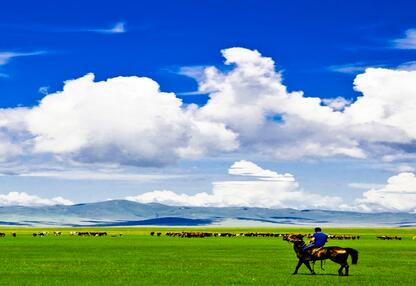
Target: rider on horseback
(319,239)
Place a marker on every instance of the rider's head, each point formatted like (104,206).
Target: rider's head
(318,229)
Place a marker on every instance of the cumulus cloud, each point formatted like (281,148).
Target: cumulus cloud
(408,42)
(130,121)
(269,189)
(252,94)
(24,199)
(399,194)
(125,120)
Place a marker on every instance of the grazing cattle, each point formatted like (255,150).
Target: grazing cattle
(57,233)
(91,233)
(220,234)
(13,234)
(386,237)
(343,236)
(2,234)
(152,233)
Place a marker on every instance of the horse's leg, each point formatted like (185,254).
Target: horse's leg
(297,266)
(309,267)
(346,266)
(340,270)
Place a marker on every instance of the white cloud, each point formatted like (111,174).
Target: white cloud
(6,57)
(399,194)
(408,42)
(43,90)
(125,120)
(273,190)
(247,168)
(352,68)
(24,199)
(118,28)
(128,120)
(269,190)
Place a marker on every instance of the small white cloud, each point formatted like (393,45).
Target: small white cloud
(353,68)
(24,199)
(118,28)
(6,57)
(247,168)
(195,72)
(408,42)
(43,90)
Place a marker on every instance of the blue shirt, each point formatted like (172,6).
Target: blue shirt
(320,238)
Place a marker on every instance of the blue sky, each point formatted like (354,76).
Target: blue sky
(319,47)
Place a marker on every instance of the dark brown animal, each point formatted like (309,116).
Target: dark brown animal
(336,254)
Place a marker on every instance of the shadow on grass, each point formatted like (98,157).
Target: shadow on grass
(323,274)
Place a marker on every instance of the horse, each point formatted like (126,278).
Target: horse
(336,254)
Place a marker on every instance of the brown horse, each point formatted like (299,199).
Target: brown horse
(336,254)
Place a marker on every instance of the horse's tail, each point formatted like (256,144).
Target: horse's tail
(354,254)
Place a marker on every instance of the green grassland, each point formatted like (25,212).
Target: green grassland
(136,258)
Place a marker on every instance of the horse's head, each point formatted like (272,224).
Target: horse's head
(294,238)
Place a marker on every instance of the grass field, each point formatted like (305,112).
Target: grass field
(136,258)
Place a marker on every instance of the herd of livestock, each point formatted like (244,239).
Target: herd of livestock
(188,234)
(192,234)
(386,237)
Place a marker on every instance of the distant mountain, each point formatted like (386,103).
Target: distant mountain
(128,213)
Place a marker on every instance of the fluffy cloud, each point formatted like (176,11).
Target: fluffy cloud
(399,194)
(269,189)
(126,120)
(24,199)
(130,121)
(252,101)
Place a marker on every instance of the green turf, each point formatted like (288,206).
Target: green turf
(136,258)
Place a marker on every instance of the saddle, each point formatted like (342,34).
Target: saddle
(317,252)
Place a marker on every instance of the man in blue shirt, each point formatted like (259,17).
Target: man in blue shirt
(319,239)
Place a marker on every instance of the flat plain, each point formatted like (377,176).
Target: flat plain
(136,258)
